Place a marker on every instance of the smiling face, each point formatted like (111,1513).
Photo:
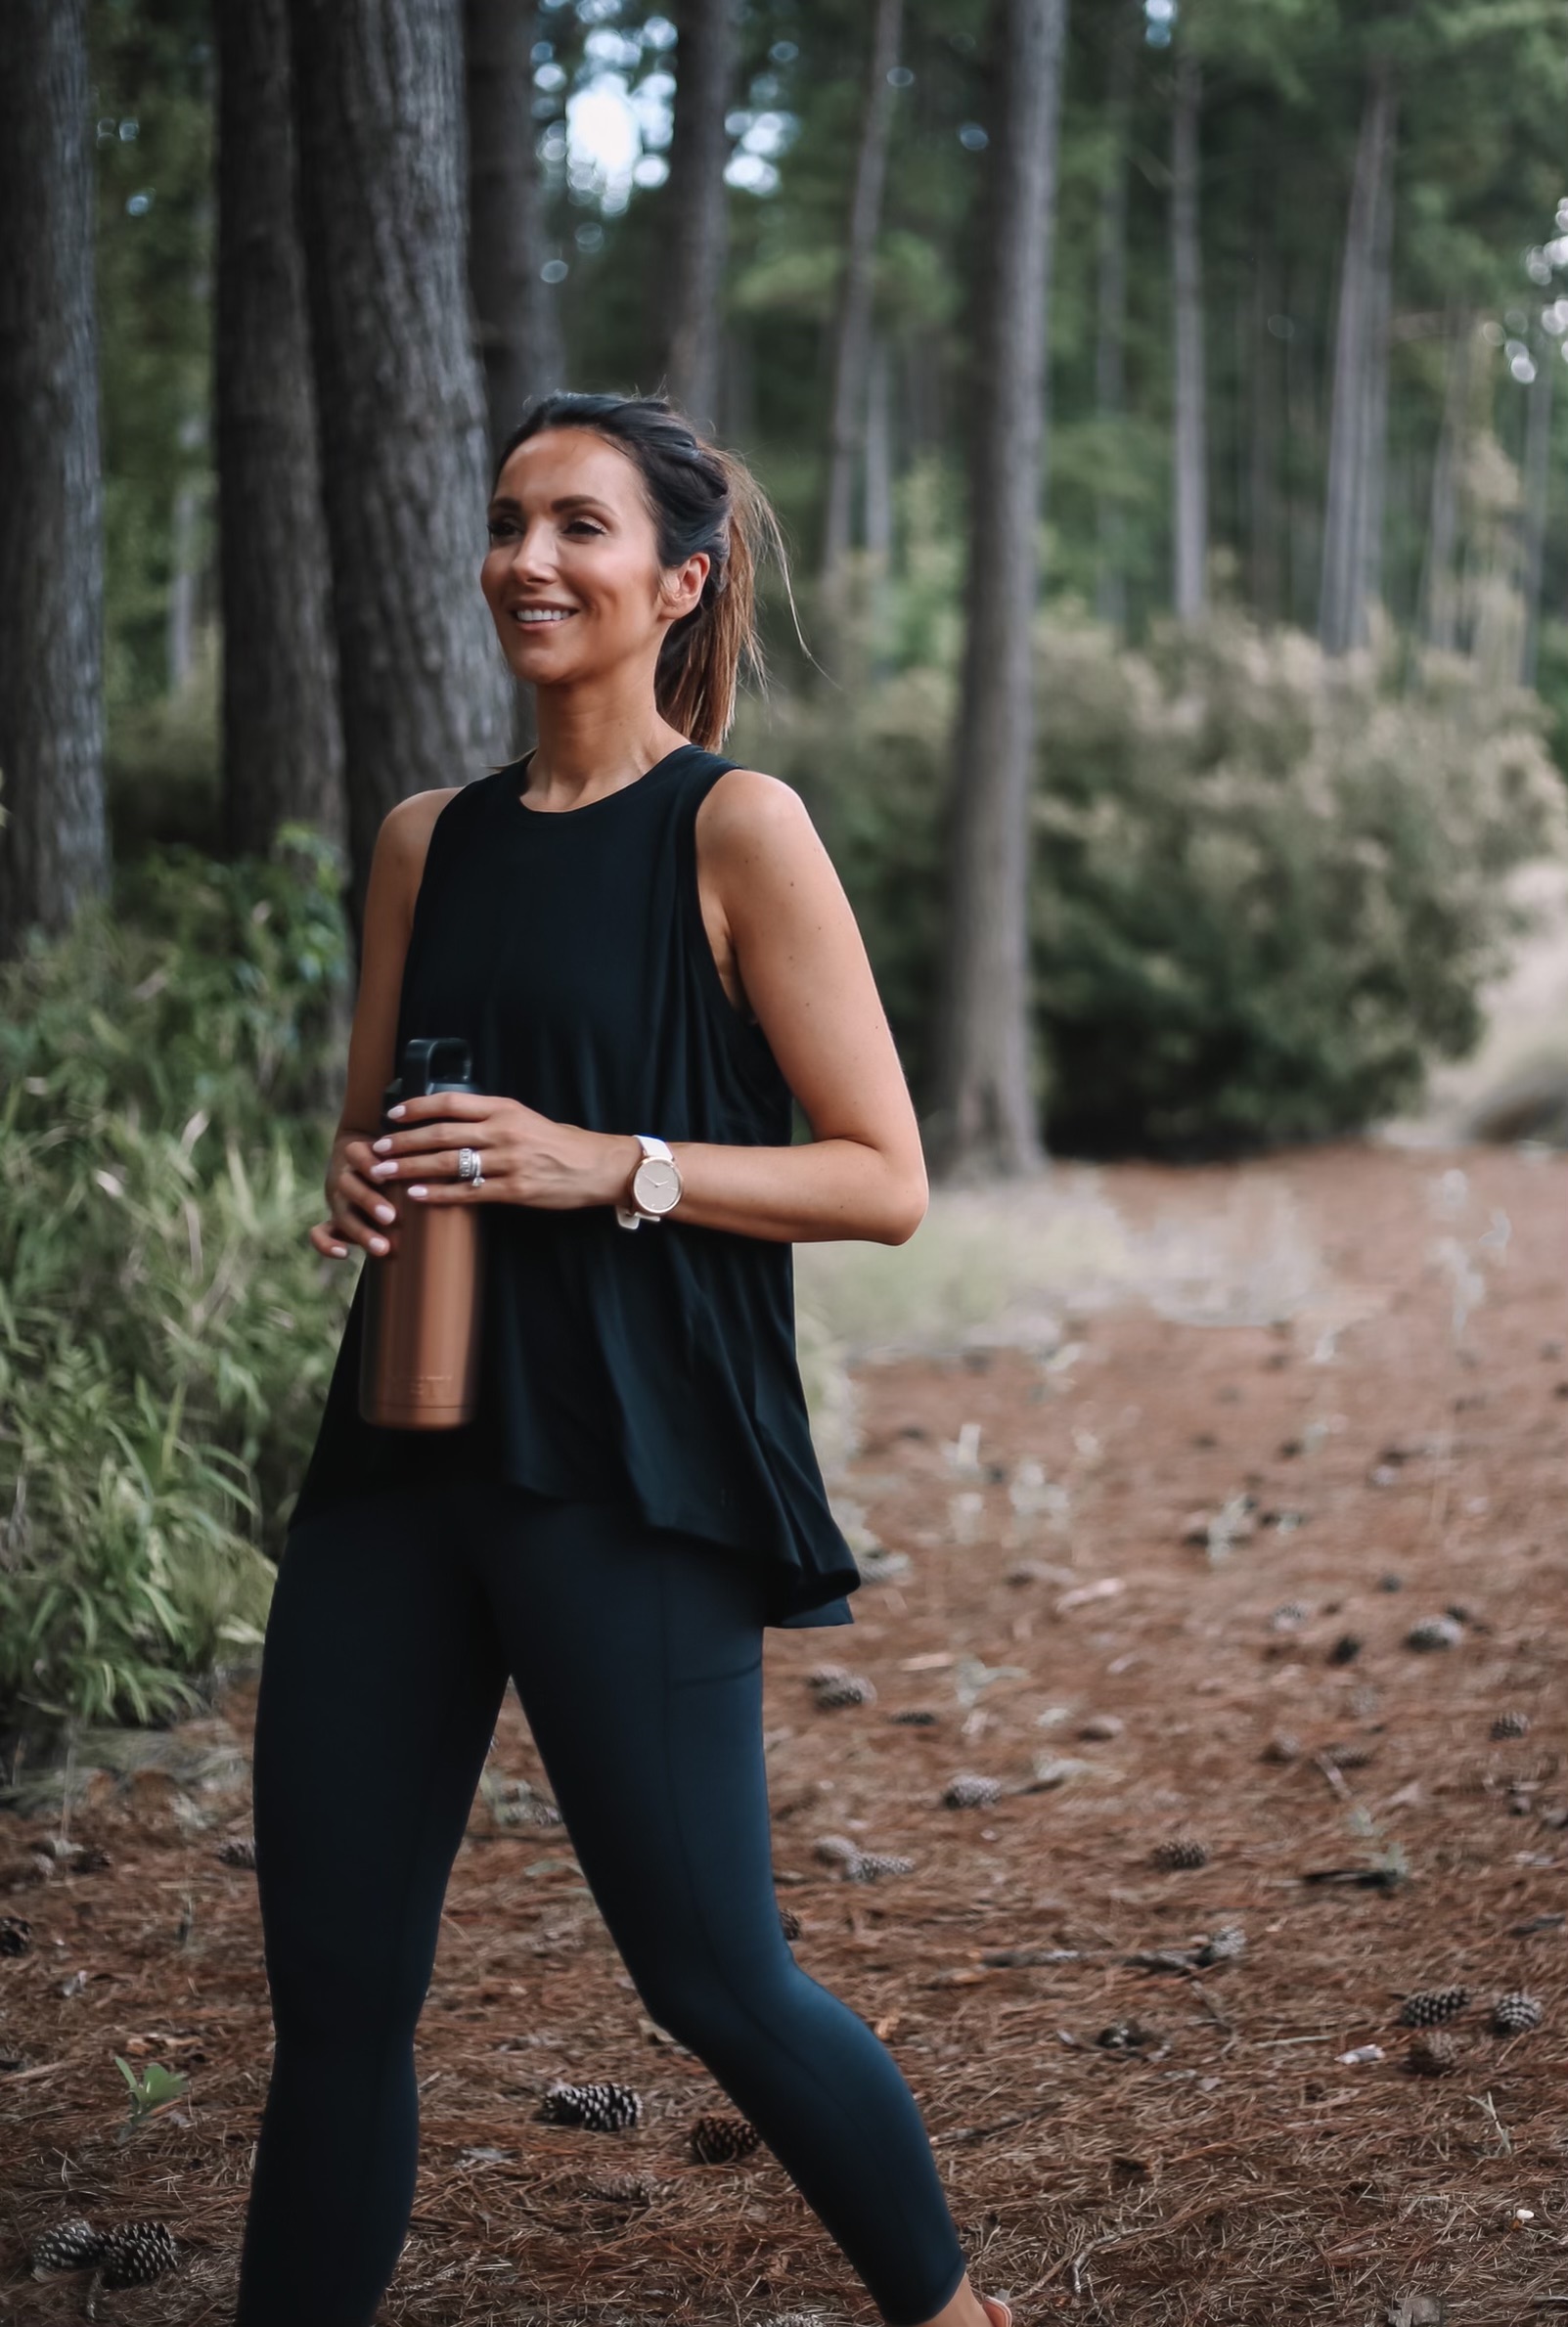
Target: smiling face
(573,577)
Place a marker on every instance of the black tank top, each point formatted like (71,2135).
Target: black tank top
(654,1366)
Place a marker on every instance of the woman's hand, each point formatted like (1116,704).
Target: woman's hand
(525,1158)
(359,1210)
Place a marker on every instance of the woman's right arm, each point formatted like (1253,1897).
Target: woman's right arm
(359,1211)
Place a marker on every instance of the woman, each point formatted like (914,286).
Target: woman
(636,937)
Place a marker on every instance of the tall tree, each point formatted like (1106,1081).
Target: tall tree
(1439,590)
(1537,477)
(852,331)
(54,848)
(691,285)
(282,748)
(427,696)
(1352,555)
(1110,297)
(517,311)
(1190,463)
(985,1120)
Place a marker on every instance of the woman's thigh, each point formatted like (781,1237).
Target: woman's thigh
(638,1658)
(382,1677)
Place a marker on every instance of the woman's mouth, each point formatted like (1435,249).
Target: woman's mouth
(539,618)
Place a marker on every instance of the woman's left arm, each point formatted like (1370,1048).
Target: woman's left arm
(804,969)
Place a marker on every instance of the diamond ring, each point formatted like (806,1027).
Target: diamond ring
(470,1167)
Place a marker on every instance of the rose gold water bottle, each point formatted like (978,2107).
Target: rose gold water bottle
(420,1355)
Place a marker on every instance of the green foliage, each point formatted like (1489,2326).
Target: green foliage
(166,1327)
(1268,888)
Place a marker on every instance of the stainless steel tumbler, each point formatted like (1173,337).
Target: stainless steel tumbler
(420,1355)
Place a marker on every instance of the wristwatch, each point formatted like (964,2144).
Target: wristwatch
(655,1185)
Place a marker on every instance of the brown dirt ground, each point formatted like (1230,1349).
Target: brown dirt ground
(1231,2167)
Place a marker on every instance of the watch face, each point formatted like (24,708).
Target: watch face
(656,1184)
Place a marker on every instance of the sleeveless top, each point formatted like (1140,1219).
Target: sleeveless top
(656,1368)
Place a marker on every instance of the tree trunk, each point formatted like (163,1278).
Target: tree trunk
(283,751)
(1440,594)
(1353,511)
(1110,305)
(985,1121)
(518,315)
(54,844)
(879,506)
(1266,381)
(853,326)
(427,696)
(1537,475)
(1191,450)
(691,286)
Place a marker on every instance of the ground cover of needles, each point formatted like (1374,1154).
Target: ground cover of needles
(1152,1562)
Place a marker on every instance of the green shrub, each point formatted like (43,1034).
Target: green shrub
(1268,888)
(166,1329)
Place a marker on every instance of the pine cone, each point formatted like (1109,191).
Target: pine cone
(716,2139)
(824,1675)
(1512,1725)
(1426,2007)
(1434,1632)
(915,1717)
(790,1922)
(1516,2013)
(137,2252)
(1432,2054)
(1126,2035)
(70,2246)
(853,1690)
(1181,1852)
(239,1853)
(836,1849)
(968,1792)
(604,2108)
(535,1811)
(871,1865)
(16,1935)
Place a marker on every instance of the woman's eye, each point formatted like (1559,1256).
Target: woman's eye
(588,522)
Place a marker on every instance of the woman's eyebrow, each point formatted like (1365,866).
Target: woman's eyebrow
(504,502)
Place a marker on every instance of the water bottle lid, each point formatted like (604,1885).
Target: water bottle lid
(432,1062)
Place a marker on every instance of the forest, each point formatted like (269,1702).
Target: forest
(1163,404)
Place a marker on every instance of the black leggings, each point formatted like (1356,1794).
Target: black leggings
(637,1655)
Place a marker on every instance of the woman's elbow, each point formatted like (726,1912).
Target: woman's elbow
(911,1201)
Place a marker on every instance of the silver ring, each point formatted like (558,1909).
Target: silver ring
(469,1166)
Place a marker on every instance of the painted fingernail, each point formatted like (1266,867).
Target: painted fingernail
(397,1110)
(419,1191)
(385,1212)
(378,1244)
(380,1146)
(380,1170)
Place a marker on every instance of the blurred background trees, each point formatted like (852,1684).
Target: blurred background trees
(1158,396)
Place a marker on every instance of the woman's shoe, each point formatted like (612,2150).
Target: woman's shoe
(999,2313)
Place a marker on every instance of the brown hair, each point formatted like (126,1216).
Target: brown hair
(701,498)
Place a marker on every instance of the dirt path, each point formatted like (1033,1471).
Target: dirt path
(1159,1586)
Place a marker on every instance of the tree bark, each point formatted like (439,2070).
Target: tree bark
(283,749)
(852,331)
(517,314)
(695,196)
(1439,596)
(1537,477)
(985,1121)
(54,844)
(427,696)
(1110,304)
(1353,511)
(1191,514)
(1265,515)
